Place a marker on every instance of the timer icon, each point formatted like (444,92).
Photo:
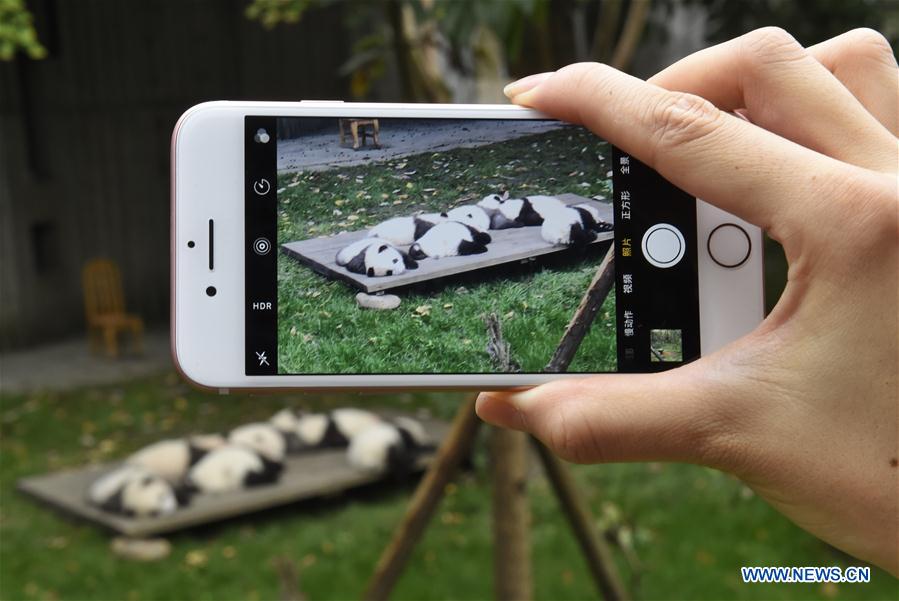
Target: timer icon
(261,187)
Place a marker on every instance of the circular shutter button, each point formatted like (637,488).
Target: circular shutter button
(729,245)
(663,245)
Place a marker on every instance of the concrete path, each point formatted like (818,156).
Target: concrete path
(400,138)
(69,364)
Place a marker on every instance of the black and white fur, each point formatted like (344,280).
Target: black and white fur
(323,430)
(389,447)
(528,210)
(491,204)
(571,226)
(450,239)
(261,437)
(601,226)
(472,215)
(374,257)
(230,468)
(403,231)
(133,491)
(171,459)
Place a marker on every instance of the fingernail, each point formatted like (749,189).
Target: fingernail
(504,409)
(524,84)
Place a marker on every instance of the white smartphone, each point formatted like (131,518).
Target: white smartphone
(323,244)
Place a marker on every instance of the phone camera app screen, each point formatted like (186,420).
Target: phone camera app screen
(393,246)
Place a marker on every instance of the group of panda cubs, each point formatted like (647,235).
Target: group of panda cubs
(163,476)
(463,231)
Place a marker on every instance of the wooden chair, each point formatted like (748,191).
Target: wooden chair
(104,306)
(358,126)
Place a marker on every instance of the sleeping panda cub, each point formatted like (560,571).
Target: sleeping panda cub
(491,204)
(133,491)
(230,468)
(601,225)
(403,231)
(572,226)
(390,447)
(172,458)
(450,239)
(311,431)
(472,215)
(264,438)
(529,210)
(375,258)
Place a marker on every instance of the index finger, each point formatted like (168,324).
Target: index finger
(735,165)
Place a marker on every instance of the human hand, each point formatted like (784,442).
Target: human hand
(804,409)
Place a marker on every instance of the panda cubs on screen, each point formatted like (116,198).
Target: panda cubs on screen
(471,215)
(450,239)
(490,204)
(374,257)
(403,231)
(171,459)
(572,226)
(310,431)
(389,447)
(133,491)
(529,210)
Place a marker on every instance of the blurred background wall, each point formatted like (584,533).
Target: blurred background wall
(87,104)
(85,131)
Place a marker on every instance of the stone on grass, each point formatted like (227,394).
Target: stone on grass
(141,549)
(380,302)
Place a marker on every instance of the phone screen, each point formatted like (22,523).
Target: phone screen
(384,245)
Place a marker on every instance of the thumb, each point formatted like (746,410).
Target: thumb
(669,416)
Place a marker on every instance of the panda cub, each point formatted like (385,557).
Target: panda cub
(472,215)
(230,468)
(601,225)
(375,258)
(450,239)
(263,438)
(403,231)
(171,459)
(572,226)
(133,491)
(390,447)
(529,210)
(491,204)
(322,430)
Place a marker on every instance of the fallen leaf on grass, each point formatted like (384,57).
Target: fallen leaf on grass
(423,310)
(196,558)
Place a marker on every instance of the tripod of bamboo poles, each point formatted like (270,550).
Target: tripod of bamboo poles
(508,459)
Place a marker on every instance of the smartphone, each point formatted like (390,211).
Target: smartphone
(323,244)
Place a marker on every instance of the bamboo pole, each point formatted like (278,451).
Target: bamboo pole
(631,33)
(512,580)
(584,315)
(596,552)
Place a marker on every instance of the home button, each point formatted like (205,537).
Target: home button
(729,245)
(663,245)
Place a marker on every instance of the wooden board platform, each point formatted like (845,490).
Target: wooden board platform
(308,476)
(507,246)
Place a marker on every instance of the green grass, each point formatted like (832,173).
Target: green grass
(439,327)
(692,527)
